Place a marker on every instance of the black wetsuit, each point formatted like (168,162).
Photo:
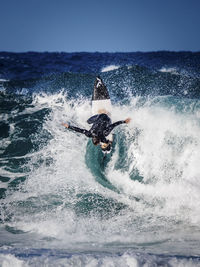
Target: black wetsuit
(101,127)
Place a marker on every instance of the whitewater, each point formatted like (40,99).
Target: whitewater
(64,204)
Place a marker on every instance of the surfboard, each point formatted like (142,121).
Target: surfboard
(101,102)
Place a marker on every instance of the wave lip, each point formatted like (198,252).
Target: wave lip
(110,68)
(169,70)
(4,80)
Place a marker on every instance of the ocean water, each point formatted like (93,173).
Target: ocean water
(62,203)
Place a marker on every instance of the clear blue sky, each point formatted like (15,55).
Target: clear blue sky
(99,25)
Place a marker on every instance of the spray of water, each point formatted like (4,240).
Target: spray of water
(153,167)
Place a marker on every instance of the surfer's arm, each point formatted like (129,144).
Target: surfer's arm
(79,130)
(119,122)
(112,126)
(92,119)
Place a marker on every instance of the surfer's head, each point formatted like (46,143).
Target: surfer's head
(95,141)
(106,146)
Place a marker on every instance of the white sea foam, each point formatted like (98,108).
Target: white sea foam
(4,80)
(170,70)
(166,155)
(126,259)
(110,67)
(11,261)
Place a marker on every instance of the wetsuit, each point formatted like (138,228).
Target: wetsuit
(101,127)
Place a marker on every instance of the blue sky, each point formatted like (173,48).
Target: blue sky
(99,25)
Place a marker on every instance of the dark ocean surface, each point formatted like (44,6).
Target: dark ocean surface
(62,203)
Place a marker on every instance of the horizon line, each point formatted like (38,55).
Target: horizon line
(92,52)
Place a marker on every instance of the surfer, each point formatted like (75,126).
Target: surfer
(100,132)
(101,128)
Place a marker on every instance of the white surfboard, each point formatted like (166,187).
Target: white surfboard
(101,102)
